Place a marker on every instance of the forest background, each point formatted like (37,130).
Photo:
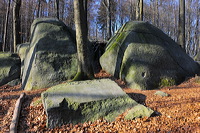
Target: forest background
(162,13)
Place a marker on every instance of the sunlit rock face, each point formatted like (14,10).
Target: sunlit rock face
(90,100)
(51,56)
(146,58)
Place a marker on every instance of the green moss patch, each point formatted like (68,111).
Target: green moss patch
(37,102)
(167,81)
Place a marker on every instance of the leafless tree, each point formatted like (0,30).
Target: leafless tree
(80,18)
(181,27)
(16,24)
(6,26)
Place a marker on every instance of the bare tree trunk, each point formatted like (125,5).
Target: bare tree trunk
(2,34)
(16,24)
(63,9)
(80,18)
(132,15)
(181,27)
(96,32)
(57,8)
(175,23)
(197,31)
(6,27)
(139,10)
(157,14)
(108,18)
(38,10)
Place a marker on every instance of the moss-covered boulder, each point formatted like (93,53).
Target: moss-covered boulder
(22,50)
(51,57)
(146,58)
(82,101)
(9,67)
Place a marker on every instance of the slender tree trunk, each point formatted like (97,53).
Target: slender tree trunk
(6,27)
(38,9)
(197,27)
(96,32)
(2,34)
(108,18)
(181,27)
(80,18)
(57,9)
(63,9)
(197,31)
(139,10)
(175,23)
(16,24)
(157,14)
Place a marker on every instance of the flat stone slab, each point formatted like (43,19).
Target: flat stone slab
(82,101)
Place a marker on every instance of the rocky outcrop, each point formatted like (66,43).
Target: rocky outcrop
(146,58)
(9,67)
(83,101)
(51,57)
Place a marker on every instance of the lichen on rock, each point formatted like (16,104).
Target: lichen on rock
(51,57)
(83,101)
(142,55)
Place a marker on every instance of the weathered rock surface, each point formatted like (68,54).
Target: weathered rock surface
(14,82)
(51,57)
(22,50)
(9,67)
(78,102)
(146,58)
(138,111)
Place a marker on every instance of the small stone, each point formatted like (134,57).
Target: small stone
(168,116)
(161,93)
(138,111)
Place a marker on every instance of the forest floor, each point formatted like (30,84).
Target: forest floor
(180,112)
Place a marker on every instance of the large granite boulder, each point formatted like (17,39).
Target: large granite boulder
(9,67)
(51,57)
(83,101)
(146,58)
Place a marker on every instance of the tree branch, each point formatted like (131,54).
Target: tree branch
(15,119)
